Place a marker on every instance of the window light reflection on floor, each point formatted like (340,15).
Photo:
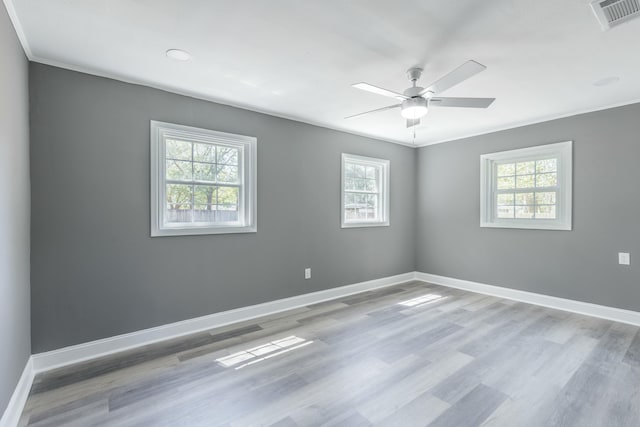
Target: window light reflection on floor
(422,300)
(266,351)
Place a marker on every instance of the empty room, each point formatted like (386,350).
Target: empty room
(320,213)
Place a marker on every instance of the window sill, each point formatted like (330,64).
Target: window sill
(194,231)
(527,226)
(364,224)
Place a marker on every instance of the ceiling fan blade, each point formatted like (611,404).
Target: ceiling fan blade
(412,122)
(379,91)
(460,74)
(461,102)
(374,111)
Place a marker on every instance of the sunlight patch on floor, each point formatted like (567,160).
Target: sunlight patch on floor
(266,351)
(422,300)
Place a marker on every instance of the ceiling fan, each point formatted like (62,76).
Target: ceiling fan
(416,100)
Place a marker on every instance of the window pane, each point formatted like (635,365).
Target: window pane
(178,194)
(359,171)
(524,212)
(507,169)
(371,185)
(177,216)
(228,196)
(548,165)
(228,202)
(546,198)
(505,211)
(227,213)
(204,153)
(525,181)
(349,184)
(180,150)
(178,203)
(371,172)
(525,168)
(179,170)
(547,180)
(204,213)
(505,199)
(359,184)
(204,172)
(372,206)
(546,212)
(361,206)
(349,170)
(506,183)
(524,199)
(350,205)
(227,174)
(227,207)
(204,194)
(349,200)
(227,156)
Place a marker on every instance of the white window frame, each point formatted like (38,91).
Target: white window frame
(383,205)
(488,199)
(160,131)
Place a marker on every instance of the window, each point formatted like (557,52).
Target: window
(365,191)
(527,188)
(202,182)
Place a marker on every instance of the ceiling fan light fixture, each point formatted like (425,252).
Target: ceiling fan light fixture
(414,108)
(178,54)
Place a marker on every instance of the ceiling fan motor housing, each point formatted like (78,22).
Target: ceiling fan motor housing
(415,91)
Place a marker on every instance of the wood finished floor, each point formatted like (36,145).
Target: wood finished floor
(409,355)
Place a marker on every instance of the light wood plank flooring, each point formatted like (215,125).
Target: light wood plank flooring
(409,355)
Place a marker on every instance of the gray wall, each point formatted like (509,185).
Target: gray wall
(579,264)
(15,346)
(97,273)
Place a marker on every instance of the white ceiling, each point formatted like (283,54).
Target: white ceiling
(298,59)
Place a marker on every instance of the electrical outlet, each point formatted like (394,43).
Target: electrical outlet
(307,273)
(624,258)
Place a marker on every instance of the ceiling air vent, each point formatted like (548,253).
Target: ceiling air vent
(615,12)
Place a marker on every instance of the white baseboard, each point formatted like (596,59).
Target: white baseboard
(69,355)
(589,309)
(90,350)
(14,409)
